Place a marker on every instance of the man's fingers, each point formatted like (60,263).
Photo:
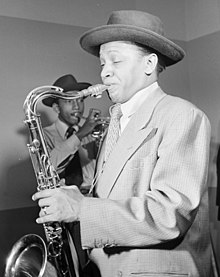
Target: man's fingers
(44,219)
(38,195)
(47,214)
(43,194)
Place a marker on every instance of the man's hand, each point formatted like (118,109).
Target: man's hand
(88,126)
(59,204)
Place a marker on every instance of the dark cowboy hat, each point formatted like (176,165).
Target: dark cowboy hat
(67,83)
(134,26)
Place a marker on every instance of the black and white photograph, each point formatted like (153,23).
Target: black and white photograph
(110,138)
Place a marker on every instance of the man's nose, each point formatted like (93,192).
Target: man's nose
(106,72)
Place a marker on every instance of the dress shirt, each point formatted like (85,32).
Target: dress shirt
(132,105)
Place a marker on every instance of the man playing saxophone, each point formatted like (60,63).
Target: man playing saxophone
(149,213)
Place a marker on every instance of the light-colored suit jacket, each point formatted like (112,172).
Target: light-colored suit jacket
(150,216)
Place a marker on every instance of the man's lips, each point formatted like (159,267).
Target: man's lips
(75,114)
(111,87)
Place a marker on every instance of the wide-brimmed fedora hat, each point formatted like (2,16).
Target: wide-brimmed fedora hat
(67,83)
(135,26)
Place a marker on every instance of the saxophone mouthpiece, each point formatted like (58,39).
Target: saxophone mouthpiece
(95,91)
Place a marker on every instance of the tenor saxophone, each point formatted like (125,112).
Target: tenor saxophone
(59,250)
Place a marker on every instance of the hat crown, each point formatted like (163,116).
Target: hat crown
(66,82)
(137,19)
(135,26)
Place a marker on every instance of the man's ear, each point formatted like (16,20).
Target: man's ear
(56,107)
(151,61)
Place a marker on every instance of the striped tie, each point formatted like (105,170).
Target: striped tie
(113,130)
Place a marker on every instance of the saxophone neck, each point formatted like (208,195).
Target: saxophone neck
(42,92)
(30,103)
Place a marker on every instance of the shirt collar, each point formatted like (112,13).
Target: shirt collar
(132,105)
(61,127)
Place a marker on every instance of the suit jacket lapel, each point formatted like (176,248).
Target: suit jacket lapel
(136,132)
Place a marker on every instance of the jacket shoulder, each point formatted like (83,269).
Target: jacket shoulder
(179,105)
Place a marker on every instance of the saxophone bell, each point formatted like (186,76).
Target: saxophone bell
(28,257)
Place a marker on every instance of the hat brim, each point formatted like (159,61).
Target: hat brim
(77,87)
(92,39)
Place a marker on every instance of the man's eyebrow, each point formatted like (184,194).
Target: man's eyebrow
(110,51)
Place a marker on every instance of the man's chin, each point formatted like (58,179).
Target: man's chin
(75,120)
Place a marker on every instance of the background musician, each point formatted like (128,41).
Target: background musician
(72,148)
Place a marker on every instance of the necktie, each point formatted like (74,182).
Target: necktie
(70,131)
(113,130)
(73,172)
